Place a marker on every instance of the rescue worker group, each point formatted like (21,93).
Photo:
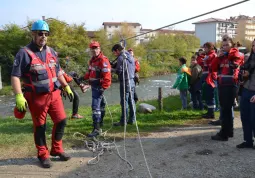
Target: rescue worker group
(38,82)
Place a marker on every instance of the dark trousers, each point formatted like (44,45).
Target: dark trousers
(248,115)
(127,100)
(98,105)
(76,101)
(210,101)
(227,96)
(196,97)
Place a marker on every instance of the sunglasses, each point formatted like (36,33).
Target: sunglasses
(43,33)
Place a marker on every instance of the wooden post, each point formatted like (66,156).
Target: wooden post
(160,99)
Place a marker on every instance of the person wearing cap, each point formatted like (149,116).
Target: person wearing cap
(137,69)
(99,77)
(125,70)
(38,67)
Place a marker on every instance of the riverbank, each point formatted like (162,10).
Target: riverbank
(16,138)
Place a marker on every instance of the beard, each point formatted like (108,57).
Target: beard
(40,42)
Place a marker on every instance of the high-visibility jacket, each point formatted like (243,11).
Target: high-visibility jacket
(42,76)
(229,67)
(137,65)
(209,62)
(200,60)
(99,73)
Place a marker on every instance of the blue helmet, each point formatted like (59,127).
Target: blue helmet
(40,25)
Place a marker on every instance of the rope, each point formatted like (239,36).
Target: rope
(124,102)
(188,19)
(99,147)
(138,133)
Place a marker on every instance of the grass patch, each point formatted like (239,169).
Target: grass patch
(6,90)
(17,135)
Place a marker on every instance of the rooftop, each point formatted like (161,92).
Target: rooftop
(120,23)
(210,20)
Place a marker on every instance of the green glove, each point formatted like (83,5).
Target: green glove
(21,102)
(69,93)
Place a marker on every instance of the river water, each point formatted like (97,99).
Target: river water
(148,89)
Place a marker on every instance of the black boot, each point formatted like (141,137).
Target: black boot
(96,130)
(215,122)
(220,136)
(208,116)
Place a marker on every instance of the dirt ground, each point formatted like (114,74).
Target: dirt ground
(186,152)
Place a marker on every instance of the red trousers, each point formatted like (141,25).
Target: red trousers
(40,105)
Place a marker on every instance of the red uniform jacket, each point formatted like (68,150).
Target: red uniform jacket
(209,63)
(229,67)
(99,71)
(137,65)
(200,60)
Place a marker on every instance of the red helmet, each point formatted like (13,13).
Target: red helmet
(94,44)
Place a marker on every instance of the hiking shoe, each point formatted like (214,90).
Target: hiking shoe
(62,156)
(46,163)
(245,145)
(76,116)
(95,133)
(219,137)
(118,124)
(215,122)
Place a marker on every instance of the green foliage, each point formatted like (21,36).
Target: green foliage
(158,56)
(6,90)
(11,39)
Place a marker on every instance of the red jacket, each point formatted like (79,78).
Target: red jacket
(209,64)
(99,71)
(200,60)
(137,65)
(229,67)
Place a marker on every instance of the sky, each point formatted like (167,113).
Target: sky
(151,14)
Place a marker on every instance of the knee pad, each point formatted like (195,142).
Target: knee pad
(40,135)
(59,130)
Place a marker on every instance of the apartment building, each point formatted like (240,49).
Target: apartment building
(245,27)
(112,27)
(213,29)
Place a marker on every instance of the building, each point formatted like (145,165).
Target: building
(112,27)
(245,27)
(212,29)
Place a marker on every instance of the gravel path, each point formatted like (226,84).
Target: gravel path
(184,152)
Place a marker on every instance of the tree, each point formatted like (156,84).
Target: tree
(11,39)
